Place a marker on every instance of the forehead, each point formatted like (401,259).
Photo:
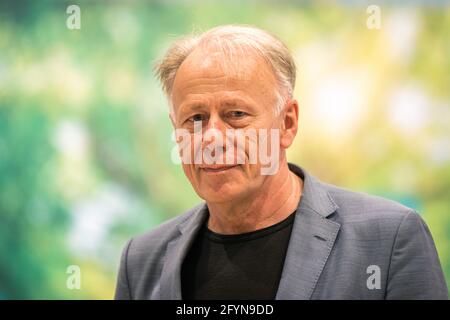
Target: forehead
(206,74)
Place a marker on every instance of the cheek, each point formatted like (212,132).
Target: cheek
(189,172)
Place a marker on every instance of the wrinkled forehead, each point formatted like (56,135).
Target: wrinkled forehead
(207,70)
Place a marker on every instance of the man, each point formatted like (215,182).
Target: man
(276,234)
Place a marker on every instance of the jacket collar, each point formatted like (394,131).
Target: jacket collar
(314,194)
(311,242)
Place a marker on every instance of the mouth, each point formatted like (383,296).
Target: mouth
(216,168)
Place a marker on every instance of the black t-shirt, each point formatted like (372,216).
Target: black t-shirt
(243,266)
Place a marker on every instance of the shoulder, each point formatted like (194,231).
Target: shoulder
(380,227)
(153,242)
(143,258)
(369,213)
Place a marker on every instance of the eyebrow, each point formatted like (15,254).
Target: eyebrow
(234,102)
(192,106)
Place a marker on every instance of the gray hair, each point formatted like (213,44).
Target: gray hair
(231,40)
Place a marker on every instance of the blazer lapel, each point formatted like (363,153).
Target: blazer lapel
(175,253)
(312,239)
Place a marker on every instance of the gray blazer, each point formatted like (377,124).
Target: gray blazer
(344,245)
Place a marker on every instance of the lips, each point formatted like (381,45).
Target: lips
(216,168)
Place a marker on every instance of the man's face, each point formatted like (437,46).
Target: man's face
(207,92)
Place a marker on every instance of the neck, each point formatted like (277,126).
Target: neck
(274,201)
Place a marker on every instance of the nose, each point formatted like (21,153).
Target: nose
(215,122)
(214,134)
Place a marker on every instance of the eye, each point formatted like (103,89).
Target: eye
(238,114)
(196,117)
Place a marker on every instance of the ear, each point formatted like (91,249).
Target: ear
(289,124)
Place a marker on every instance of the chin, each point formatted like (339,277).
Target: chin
(220,194)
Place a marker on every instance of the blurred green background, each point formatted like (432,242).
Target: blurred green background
(85,139)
